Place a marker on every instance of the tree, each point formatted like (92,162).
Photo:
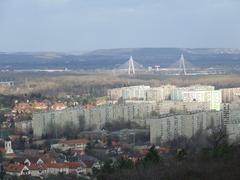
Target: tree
(88,147)
(82,123)
(85,102)
(120,100)
(2,118)
(217,137)
(109,141)
(69,130)
(120,124)
(108,167)
(125,164)
(152,156)
(1,157)
(47,145)
(19,143)
(154,113)
(51,129)
(218,141)
(181,154)
(2,172)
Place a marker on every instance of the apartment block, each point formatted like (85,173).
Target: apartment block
(169,127)
(95,118)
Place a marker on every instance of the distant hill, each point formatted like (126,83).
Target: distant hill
(111,58)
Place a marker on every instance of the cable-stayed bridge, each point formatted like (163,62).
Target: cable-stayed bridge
(130,67)
(182,67)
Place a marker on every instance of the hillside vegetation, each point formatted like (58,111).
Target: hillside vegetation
(98,83)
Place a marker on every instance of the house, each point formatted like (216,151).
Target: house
(75,144)
(28,161)
(14,137)
(88,106)
(21,169)
(90,165)
(37,170)
(75,167)
(22,108)
(58,106)
(57,168)
(134,157)
(67,168)
(34,157)
(40,105)
(33,160)
(51,157)
(40,170)
(17,170)
(101,102)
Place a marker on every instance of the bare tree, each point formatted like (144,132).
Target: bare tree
(217,137)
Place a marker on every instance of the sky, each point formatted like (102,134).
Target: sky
(83,25)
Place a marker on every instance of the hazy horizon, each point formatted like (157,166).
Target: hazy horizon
(116,48)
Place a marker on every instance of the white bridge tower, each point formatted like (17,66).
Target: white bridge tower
(131,69)
(182,66)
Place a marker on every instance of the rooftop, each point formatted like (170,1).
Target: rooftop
(75,141)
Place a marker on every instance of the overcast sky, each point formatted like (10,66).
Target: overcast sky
(77,25)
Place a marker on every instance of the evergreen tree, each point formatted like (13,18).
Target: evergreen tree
(108,167)
(2,172)
(1,158)
(125,164)
(152,156)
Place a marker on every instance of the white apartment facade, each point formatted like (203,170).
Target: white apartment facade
(230,94)
(141,93)
(199,94)
(169,127)
(94,118)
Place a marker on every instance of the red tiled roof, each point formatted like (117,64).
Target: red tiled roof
(73,165)
(37,167)
(88,106)
(48,160)
(40,105)
(58,105)
(22,107)
(56,165)
(2,150)
(14,167)
(19,167)
(75,141)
